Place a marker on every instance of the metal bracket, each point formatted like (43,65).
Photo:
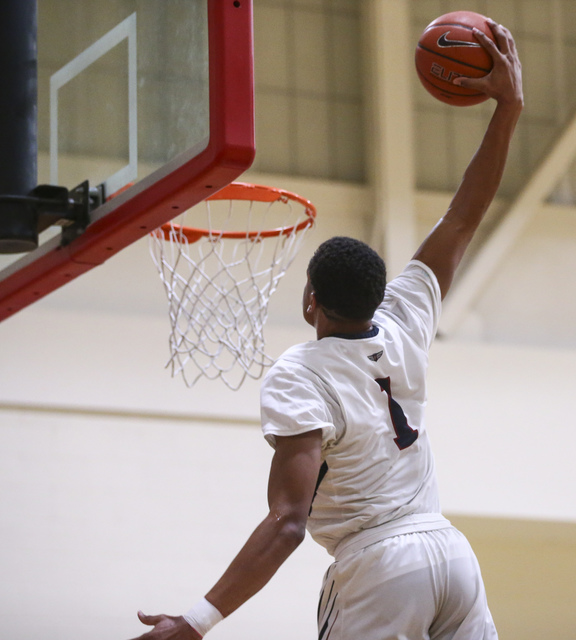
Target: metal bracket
(68,209)
(52,205)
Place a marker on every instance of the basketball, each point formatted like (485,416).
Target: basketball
(448,49)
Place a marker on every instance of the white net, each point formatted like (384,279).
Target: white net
(219,287)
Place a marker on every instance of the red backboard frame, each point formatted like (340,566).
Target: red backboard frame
(181,184)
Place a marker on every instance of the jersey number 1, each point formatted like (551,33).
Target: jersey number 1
(405,435)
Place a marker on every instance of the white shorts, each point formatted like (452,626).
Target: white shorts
(416,586)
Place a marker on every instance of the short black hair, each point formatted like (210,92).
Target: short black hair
(348,278)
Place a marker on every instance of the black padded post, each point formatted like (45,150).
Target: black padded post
(18,124)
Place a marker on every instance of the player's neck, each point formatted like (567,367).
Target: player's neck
(326,327)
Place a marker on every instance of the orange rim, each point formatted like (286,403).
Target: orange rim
(251,193)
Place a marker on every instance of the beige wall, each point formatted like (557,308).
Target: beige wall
(528,568)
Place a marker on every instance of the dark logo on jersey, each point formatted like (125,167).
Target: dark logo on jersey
(444,43)
(376,356)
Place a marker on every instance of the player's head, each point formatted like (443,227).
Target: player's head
(348,278)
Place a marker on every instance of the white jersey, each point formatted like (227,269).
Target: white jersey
(367,393)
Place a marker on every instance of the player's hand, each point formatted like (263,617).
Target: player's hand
(504,82)
(167,628)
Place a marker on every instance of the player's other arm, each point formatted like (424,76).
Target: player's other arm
(444,248)
(292,482)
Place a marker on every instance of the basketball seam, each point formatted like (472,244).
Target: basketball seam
(441,55)
(449,24)
(456,95)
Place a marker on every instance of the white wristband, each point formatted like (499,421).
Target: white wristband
(203,616)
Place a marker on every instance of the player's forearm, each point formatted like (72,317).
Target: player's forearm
(444,248)
(484,173)
(262,555)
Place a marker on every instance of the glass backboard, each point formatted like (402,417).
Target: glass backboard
(151,101)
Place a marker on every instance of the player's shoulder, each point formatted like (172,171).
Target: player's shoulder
(413,302)
(416,285)
(295,354)
(416,275)
(295,382)
(303,362)
(290,358)
(296,357)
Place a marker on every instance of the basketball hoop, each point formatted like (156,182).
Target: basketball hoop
(219,281)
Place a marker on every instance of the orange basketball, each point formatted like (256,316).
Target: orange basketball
(447,49)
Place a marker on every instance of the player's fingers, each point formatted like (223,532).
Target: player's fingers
(150,620)
(502,36)
(476,84)
(486,42)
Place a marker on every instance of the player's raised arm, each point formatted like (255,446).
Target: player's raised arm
(443,249)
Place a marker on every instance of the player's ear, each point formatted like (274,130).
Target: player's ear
(309,304)
(312,302)
(307,295)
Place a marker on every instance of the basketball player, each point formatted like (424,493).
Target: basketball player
(344,413)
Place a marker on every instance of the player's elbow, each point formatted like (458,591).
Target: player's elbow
(290,529)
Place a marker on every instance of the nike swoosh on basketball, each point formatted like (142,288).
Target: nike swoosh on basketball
(444,43)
